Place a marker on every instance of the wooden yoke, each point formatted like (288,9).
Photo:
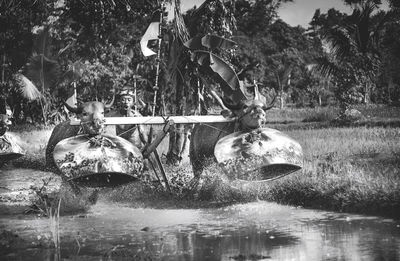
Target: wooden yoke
(149,120)
(149,148)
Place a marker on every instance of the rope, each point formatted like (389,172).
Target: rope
(210,126)
(176,131)
(133,128)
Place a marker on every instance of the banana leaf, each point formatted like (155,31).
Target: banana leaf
(209,41)
(224,74)
(220,67)
(214,42)
(194,43)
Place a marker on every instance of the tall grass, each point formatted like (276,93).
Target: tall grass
(54,217)
(288,115)
(328,113)
(345,169)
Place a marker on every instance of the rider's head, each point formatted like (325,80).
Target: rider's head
(126,99)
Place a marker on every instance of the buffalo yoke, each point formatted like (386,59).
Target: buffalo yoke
(162,120)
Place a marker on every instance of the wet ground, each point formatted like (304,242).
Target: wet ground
(252,231)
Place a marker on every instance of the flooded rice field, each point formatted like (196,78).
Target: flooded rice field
(253,231)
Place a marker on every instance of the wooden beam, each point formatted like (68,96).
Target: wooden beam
(161,120)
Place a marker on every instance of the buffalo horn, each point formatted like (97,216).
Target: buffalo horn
(108,106)
(271,104)
(76,110)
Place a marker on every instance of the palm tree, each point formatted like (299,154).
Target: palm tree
(353,45)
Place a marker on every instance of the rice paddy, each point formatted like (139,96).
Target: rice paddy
(346,168)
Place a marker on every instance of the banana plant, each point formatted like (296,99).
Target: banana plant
(203,50)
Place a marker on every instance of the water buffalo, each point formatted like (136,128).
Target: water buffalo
(249,114)
(91,115)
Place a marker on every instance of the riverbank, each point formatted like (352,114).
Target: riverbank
(347,168)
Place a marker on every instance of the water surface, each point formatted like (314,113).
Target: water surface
(252,231)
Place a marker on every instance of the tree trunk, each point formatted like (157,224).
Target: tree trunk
(3,68)
(390,86)
(280,85)
(365,93)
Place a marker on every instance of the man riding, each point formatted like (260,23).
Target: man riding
(127,107)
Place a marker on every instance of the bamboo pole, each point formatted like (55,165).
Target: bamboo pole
(156,87)
(161,120)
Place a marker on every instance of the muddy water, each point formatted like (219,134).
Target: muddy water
(253,231)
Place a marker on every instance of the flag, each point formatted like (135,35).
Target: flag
(71,101)
(151,33)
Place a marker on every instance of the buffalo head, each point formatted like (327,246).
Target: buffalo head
(91,115)
(252,114)
(249,112)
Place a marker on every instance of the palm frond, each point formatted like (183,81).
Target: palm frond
(181,30)
(362,16)
(325,66)
(27,88)
(340,41)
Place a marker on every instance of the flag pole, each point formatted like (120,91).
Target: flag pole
(74,84)
(155,88)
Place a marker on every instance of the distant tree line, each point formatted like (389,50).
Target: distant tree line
(50,49)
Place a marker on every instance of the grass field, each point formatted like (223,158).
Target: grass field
(346,168)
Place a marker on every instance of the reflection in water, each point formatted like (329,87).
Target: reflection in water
(253,231)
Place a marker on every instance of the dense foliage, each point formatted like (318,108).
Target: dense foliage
(94,46)
(357,47)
